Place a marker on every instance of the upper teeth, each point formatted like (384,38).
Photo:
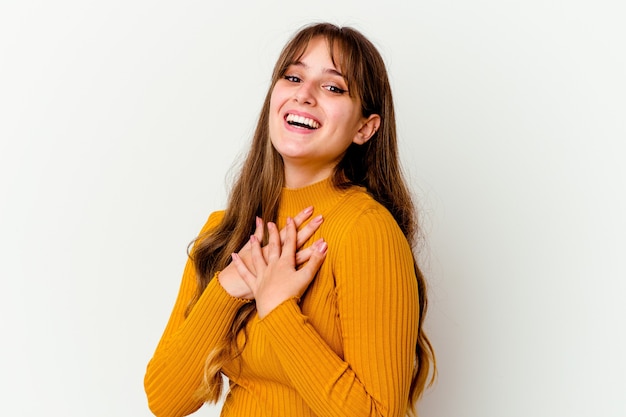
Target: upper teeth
(302,120)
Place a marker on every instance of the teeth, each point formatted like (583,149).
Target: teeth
(292,118)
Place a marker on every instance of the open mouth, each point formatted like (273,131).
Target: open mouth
(301,122)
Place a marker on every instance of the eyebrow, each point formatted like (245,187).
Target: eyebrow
(332,71)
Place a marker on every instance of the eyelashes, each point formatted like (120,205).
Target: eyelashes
(328,87)
(292,78)
(335,89)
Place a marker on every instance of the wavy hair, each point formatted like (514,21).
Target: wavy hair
(256,192)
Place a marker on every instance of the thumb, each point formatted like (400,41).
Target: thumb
(243,271)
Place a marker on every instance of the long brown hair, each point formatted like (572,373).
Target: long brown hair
(256,192)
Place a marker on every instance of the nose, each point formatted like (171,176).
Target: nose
(305,93)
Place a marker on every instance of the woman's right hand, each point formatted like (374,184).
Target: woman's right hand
(229,277)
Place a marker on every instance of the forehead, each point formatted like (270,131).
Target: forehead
(331,48)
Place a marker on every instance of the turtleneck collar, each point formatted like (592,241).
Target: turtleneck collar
(321,195)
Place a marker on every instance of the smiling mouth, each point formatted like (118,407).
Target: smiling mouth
(302,122)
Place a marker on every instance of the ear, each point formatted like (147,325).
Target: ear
(369,126)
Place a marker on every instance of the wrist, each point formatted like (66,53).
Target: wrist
(264,310)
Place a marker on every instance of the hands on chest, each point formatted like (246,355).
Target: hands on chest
(268,274)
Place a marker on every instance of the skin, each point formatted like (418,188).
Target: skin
(232,281)
(276,279)
(313,88)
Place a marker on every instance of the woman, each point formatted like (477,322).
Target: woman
(324,317)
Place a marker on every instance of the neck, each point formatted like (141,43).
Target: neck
(321,195)
(298,177)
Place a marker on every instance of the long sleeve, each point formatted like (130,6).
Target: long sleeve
(377,304)
(175,371)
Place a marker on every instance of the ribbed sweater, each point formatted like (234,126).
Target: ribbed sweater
(347,348)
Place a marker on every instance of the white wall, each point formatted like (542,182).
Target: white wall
(119,121)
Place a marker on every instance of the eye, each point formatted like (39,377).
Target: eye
(292,78)
(335,89)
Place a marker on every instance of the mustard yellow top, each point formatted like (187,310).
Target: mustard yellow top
(346,349)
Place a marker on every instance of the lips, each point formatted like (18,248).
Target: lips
(301,121)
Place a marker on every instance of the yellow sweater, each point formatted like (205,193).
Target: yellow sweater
(346,349)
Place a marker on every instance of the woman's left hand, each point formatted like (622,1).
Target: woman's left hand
(276,279)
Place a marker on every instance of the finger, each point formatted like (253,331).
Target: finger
(298,219)
(258,234)
(258,231)
(274,243)
(316,260)
(245,252)
(303,255)
(307,231)
(289,245)
(302,216)
(258,260)
(244,272)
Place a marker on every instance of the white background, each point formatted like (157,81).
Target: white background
(120,121)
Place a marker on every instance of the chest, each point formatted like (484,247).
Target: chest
(258,361)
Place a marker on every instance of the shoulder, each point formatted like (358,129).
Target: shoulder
(212,222)
(368,243)
(360,216)
(361,208)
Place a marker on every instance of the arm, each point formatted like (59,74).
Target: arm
(378,308)
(176,369)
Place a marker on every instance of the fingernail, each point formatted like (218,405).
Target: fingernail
(258,221)
(289,220)
(318,219)
(308,210)
(322,247)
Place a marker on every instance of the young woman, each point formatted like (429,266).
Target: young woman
(305,292)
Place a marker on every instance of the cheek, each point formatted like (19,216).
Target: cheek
(273,100)
(278,96)
(348,118)
(274,111)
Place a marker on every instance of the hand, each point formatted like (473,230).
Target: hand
(275,278)
(230,279)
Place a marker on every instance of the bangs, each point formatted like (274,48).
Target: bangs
(343,50)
